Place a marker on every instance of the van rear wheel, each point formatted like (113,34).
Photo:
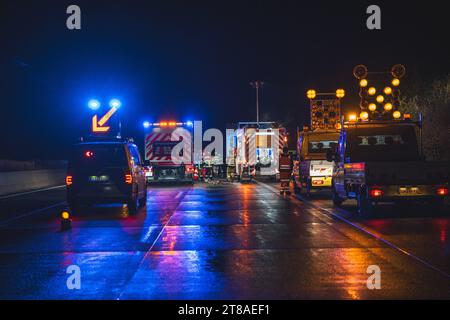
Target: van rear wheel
(335,197)
(143,200)
(133,205)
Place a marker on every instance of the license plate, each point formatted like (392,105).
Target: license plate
(409,190)
(98,178)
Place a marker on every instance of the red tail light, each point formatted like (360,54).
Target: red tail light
(359,166)
(442,191)
(189,169)
(128,179)
(69,180)
(375,193)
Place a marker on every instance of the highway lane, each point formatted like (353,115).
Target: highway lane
(418,229)
(227,241)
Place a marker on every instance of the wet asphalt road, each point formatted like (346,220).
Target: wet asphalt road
(227,241)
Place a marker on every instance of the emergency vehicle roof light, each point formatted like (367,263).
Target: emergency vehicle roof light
(311,94)
(364,116)
(170,124)
(94,104)
(115,103)
(352,117)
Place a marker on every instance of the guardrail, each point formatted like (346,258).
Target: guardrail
(16,165)
(22,176)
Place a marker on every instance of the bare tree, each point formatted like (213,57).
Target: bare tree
(434,103)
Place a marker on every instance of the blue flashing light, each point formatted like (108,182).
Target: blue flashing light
(189,123)
(146,124)
(94,104)
(115,103)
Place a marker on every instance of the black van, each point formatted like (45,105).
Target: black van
(106,172)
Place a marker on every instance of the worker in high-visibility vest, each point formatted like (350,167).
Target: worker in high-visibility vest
(285,171)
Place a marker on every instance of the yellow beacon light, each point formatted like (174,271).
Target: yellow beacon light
(372,107)
(364,116)
(395,82)
(363,83)
(388,90)
(396,114)
(352,117)
(380,99)
(311,94)
(65,215)
(340,93)
(388,106)
(372,91)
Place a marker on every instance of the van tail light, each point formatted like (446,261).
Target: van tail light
(69,180)
(128,179)
(189,169)
(443,191)
(358,166)
(376,193)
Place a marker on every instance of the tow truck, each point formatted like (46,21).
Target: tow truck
(312,171)
(160,139)
(380,161)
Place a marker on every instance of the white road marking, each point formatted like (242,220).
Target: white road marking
(30,192)
(151,247)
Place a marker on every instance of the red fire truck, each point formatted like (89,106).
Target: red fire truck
(160,140)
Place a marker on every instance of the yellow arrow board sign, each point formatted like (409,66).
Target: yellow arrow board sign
(98,125)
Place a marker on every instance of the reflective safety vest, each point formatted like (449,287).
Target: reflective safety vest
(285,163)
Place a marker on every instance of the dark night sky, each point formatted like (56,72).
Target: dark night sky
(194,59)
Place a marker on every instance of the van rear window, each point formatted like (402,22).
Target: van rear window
(98,155)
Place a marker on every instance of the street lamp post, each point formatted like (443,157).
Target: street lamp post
(257,84)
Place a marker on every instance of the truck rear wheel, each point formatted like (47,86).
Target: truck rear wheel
(364,205)
(335,197)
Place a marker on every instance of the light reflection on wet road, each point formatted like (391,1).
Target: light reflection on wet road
(227,241)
